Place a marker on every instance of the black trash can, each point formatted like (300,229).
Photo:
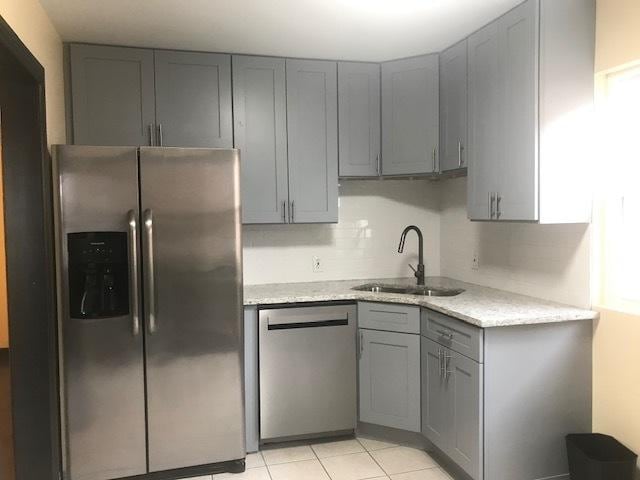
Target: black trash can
(593,456)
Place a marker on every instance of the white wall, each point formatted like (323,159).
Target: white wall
(546,261)
(363,244)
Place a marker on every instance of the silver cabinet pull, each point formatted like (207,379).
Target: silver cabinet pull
(460,153)
(491,202)
(444,333)
(434,159)
(151,134)
(150,280)
(361,344)
(498,209)
(447,363)
(284,211)
(133,271)
(292,212)
(160,140)
(378,164)
(440,365)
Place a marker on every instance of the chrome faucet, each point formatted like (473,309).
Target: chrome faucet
(419,271)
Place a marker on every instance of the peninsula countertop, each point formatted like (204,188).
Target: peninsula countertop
(480,306)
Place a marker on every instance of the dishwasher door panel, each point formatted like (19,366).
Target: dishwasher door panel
(307,371)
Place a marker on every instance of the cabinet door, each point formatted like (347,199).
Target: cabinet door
(312,120)
(453,107)
(359,119)
(260,117)
(410,113)
(436,404)
(518,170)
(485,133)
(112,95)
(193,99)
(390,379)
(464,385)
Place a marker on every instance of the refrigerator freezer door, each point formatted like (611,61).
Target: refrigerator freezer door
(102,370)
(193,306)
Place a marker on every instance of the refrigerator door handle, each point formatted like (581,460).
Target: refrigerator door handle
(150,287)
(133,271)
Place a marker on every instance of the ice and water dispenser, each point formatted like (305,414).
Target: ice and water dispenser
(98,274)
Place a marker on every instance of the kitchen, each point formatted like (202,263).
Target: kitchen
(426,201)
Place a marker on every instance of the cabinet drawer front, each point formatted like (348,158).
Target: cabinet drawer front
(389,317)
(455,334)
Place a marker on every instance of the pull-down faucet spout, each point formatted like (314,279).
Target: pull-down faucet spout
(419,271)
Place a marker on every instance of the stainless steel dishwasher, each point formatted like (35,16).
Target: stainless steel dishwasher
(307,371)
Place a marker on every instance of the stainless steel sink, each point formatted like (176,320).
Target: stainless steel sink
(425,291)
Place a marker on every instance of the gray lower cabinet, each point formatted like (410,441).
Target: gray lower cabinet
(312,122)
(260,122)
(193,99)
(359,119)
(453,107)
(410,116)
(389,379)
(112,97)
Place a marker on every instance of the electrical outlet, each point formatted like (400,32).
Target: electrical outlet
(475,261)
(317,264)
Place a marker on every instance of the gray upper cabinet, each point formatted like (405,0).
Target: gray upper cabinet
(389,369)
(410,112)
(260,122)
(453,107)
(530,104)
(193,99)
(359,119)
(112,95)
(484,122)
(312,132)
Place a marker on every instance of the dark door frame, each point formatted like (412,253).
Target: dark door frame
(30,263)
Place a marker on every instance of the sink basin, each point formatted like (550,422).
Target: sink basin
(423,290)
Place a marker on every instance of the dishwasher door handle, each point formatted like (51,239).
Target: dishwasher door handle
(308,324)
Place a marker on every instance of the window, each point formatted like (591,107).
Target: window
(617,225)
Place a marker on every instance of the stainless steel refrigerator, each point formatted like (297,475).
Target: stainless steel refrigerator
(150,309)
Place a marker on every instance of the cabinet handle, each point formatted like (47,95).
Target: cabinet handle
(492,199)
(151,134)
(460,154)
(498,209)
(445,334)
(284,211)
(361,345)
(440,362)
(160,135)
(291,213)
(378,164)
(434,159)
(447,363)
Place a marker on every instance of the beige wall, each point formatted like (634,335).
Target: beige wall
(616,347)
(618,33)
(29,20)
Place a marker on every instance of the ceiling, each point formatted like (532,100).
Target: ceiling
(373,30)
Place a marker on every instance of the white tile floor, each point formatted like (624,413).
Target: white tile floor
(350,459)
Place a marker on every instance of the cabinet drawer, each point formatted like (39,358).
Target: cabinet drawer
(455,334)
(389,317)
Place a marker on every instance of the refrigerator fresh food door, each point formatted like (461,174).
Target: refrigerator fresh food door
(193,306)
(102,370)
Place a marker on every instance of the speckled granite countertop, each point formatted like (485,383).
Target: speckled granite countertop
(480,306)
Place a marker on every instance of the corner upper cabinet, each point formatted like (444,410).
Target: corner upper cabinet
(260,122)
(112,95)
(193,99)
(312,120)
(530,114)
(453,107)
(359,119)
(410,111)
